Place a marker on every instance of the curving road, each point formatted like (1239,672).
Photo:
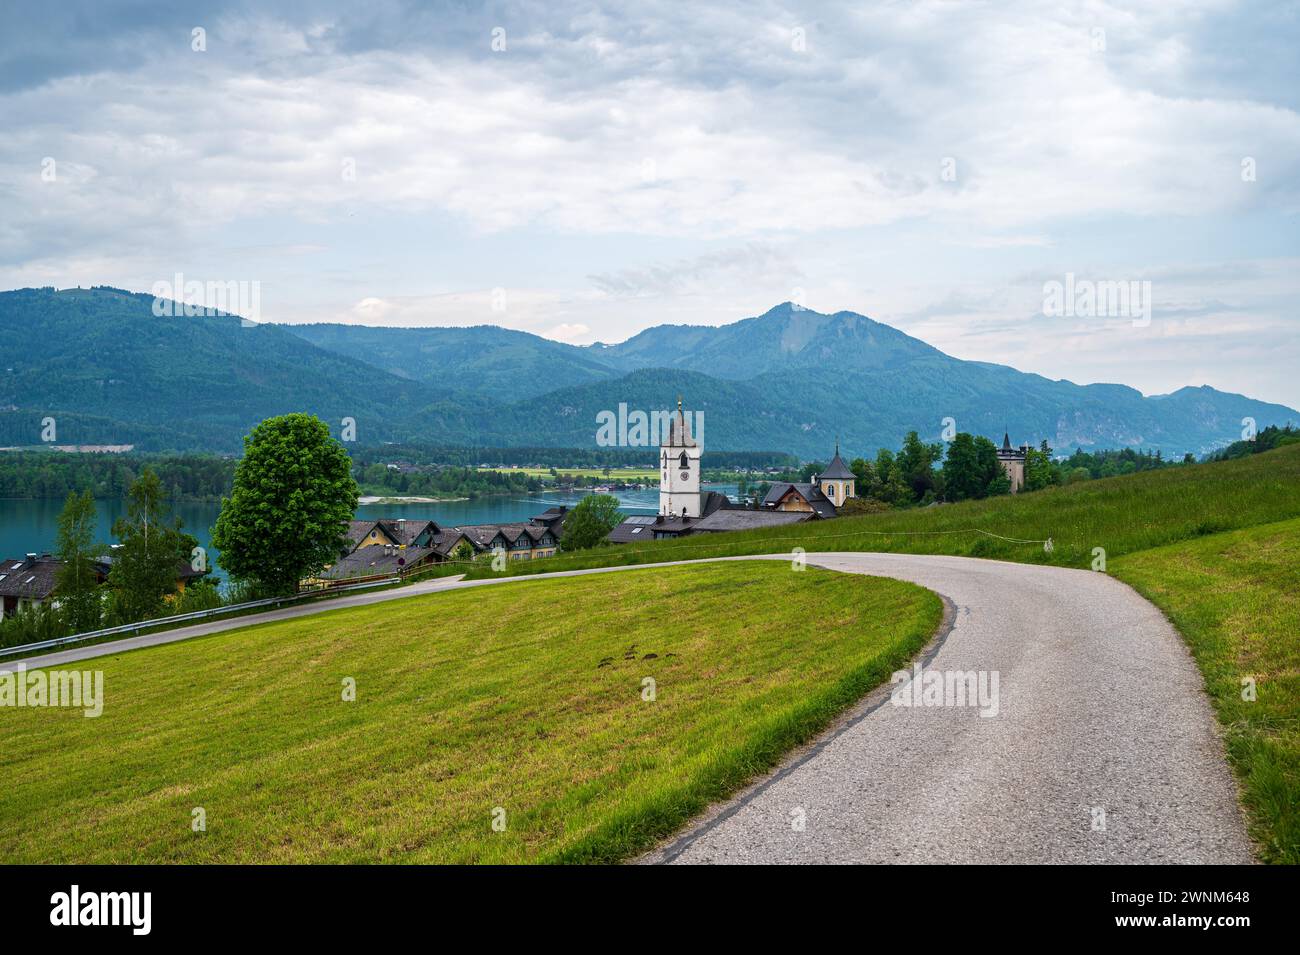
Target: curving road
(1101,711)
(1103,747)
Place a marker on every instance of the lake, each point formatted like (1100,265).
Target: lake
(28,526)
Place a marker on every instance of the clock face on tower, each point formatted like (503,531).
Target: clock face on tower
(685,475)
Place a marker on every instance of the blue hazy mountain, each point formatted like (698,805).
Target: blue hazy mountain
(791,380)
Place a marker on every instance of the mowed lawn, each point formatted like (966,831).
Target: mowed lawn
(524,702)
(1235,597)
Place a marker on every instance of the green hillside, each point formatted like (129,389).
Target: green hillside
(541,713)
(483,360)
(111,372)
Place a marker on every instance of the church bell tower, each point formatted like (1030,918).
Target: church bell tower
(679,469)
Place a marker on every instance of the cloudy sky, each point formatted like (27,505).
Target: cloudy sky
(602,168)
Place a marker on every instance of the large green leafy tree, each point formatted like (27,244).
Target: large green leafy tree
(288,511)
(864,478)
(1040,472)
(971,469)
(590,522)
(146,565)
(76,584)
(916,463)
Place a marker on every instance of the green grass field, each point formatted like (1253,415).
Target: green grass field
(1235,597)
(528,698)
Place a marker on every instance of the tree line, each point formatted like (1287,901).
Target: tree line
(53,475)
(1266,440)
(921,473)
(444,481)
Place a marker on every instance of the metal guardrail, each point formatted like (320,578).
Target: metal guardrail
(167,622)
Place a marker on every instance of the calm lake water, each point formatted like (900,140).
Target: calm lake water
(32,526)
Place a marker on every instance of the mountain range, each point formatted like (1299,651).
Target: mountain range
(109,371)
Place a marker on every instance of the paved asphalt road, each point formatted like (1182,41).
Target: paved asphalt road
(1103,749)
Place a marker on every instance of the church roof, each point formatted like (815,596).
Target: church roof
(837,470)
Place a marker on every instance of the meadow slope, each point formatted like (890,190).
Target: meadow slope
(528,700)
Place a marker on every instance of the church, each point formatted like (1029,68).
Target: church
(685,508)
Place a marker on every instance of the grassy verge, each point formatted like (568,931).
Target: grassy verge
(1235,597)
(528,698)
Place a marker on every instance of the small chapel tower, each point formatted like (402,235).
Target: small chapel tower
(838,481)
(679,469)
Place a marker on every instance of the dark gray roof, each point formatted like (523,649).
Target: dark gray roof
(482,535)
(712,501)
(809,492)
(638,527)
(35,579)
(30,579)
(367,561)
(747,520)
(837,470)
(359,530)
(407,530)
(446,541)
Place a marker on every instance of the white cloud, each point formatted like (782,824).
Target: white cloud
(569,333)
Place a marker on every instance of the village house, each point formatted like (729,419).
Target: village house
(520,541)
(30,582)
(391,546)
(26,583)
(825,494)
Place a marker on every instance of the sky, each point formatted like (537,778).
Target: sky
(583,171)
